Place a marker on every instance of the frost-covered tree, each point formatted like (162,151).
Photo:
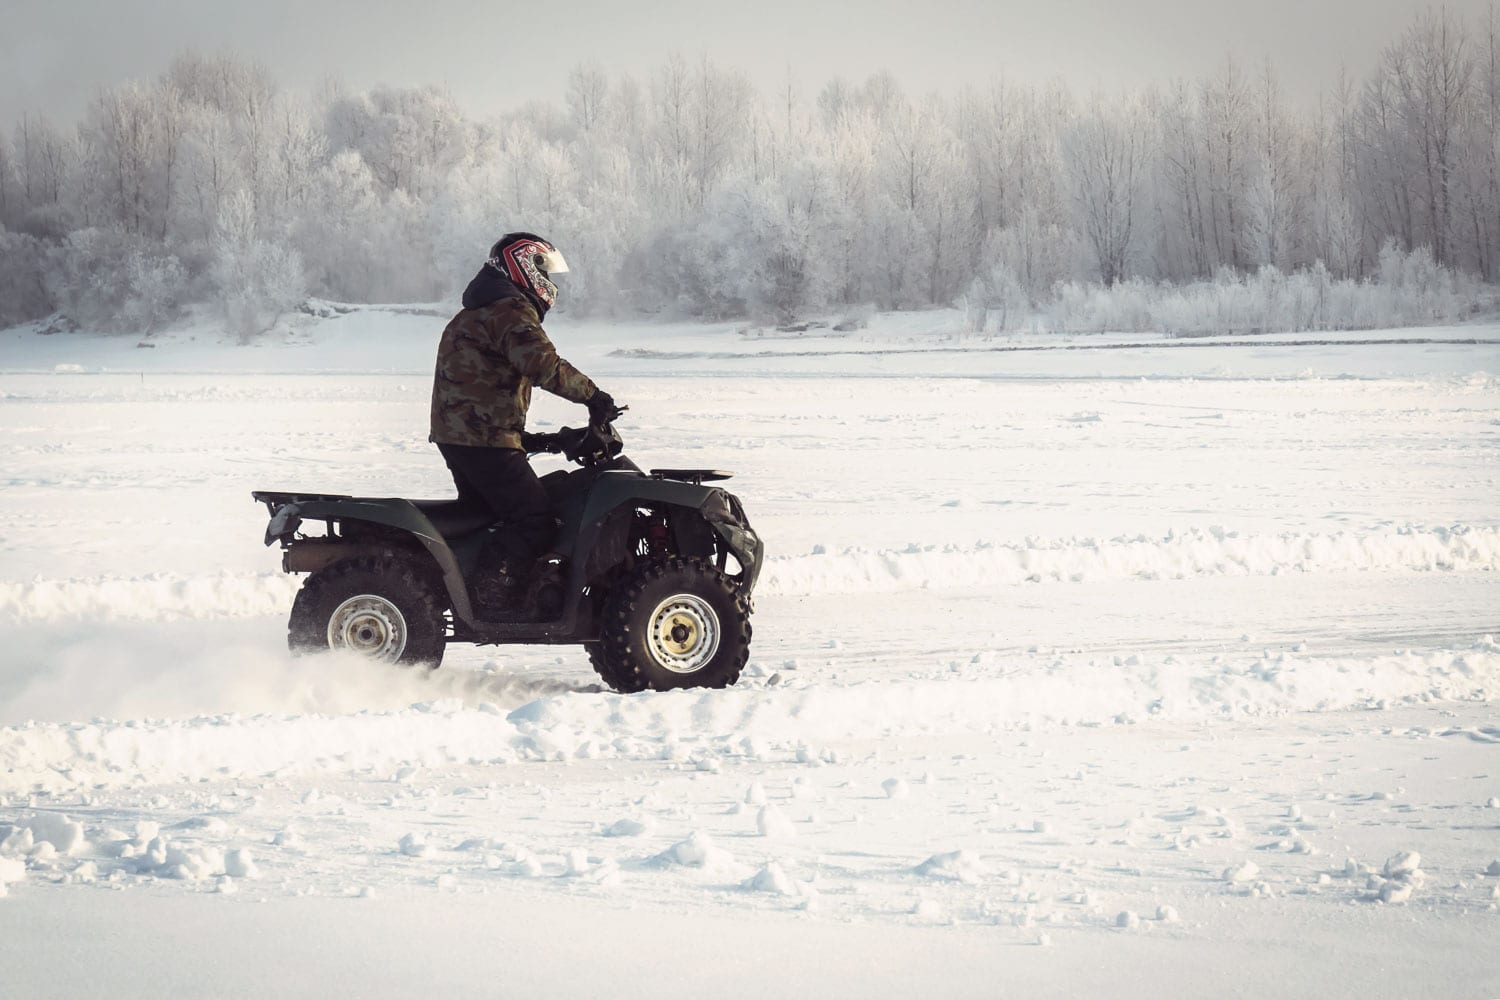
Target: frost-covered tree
(42,158)
(1108,148)
(8,196)
(157,285)
(23,289)
(121,127)
(587,97)
(690,192)
(844,238)
(1184,197)
(1273,203)
(409,137)
(210,168)
(1226,104)
(256,280)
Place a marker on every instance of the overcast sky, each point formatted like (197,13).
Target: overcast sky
(55,54)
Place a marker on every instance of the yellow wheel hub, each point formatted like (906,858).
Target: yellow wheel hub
(684,633)
(680,633)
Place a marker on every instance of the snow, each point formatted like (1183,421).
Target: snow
(697,851)
(770,878)
(1142,688)
(1396,892)
(240,864)
(627,827)
(63,834)
(773,823)
(959,866)
(1403,864)
(414,845)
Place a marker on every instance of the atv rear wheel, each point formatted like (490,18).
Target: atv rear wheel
(674,624)
(377,607)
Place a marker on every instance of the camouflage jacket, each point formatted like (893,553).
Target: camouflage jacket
(487,362)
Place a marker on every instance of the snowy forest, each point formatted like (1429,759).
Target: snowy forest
(1219,204)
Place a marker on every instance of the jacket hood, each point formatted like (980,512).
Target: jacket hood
(490,286)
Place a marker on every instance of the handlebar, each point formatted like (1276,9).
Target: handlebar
(585,446)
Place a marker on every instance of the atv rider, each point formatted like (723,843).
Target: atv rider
(490,356)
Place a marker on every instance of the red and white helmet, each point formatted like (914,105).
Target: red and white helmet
(529,261)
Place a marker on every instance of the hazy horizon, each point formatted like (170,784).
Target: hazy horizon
(49,65)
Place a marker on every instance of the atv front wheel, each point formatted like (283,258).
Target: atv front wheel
(674,624)
(377,607)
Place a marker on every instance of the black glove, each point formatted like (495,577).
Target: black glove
(602,408)
(569,442)
(539,444)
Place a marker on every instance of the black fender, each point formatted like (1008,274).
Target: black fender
(612,490)
(402,515)
(608,492)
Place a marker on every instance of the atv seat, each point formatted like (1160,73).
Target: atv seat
(452,518)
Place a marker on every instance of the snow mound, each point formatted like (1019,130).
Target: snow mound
(1402,864)
(627,827)
(1396,892)
(773,823)
(240,864)
(414,845)
(697,851)
(62,834)
(190,862)
(772,879)
(953,866)
(895,788)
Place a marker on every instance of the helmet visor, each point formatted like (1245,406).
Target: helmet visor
(552,262)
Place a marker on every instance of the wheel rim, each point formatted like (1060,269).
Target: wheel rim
(684,633)
(369,625)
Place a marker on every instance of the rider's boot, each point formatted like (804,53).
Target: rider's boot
(544,590)
(499,595)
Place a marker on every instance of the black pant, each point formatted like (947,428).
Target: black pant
(502,480)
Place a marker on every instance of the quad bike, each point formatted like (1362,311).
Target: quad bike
(653,571)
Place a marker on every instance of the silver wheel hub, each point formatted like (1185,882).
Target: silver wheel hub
(684,633)
(369,625)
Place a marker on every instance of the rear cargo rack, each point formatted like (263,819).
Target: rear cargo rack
(273,499)
(695,476)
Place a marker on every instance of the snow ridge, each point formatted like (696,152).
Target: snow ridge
(1178,555)
(1194,552)
(761,723)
